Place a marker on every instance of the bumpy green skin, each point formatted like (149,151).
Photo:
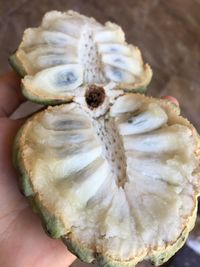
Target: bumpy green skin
(52,226)
(139,90)
(16,65)
(83,253)
(24,180)
(42,101)
(108,262)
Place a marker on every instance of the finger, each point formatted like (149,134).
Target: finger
(10,94)
(8,181)
(172,99)
(8,130)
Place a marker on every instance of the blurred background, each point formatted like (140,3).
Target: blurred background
(166,31)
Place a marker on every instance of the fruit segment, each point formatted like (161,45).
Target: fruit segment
(123,183)
(148,120)
(99,55)
(50,82)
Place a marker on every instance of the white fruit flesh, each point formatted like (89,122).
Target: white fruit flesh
(57,80)
(100,52)
(123,183)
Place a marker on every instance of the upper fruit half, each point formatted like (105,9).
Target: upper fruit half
(69,50)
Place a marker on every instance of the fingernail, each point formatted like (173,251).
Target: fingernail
(172,99)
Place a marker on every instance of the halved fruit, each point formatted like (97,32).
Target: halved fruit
(116,180)
(69,50)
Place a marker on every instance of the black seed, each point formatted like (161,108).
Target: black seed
(56,62)
(118,60)
(66,78)
(113,49)
(139,122)
(118,74)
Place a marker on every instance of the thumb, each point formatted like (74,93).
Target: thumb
(8,131)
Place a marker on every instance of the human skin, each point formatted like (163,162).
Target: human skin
(23,242)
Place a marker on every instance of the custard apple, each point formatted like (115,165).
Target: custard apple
(113,173)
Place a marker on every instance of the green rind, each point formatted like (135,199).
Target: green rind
(52,226)
(104,261)
(24,180)
(141,90)
(43,101)
(82,252)
(16,65)
(163,257)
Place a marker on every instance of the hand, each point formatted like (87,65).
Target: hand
(23,242)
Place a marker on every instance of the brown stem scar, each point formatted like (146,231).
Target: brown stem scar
(95,96)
